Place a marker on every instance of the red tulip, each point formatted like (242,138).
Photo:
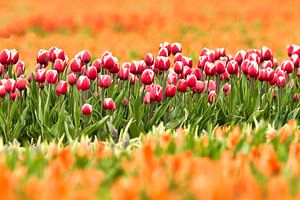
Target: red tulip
(178,57)
(14,95)
(156,93)
(232,67)
(85,56)
(187,61)
(245,65)
(109,61)
(166,45)
(227,89)
(97,63)
(296,60)
(287,66)
(109,104)
(200,86)
(197,73)
(293,49)
(92,73)
(170,90)
(61,88)
(56,53)
(176,48)
(163,52)
(147,77)
(267,64)
(202,61)
(141,66)
(191,80)
(182,85)
(296,97)
(76,65)
(72,79)
(42,57)
(124,73)
(51,76)
(172,78)
(162,63)
(149,59)
(240,56)
(178,67)
(134,66)
(220,65)
(20,68)
(212,96)
(146,99)
(186,71)
(2,91)
(83,83)
(5,57)
(253,69)
(211,85)
(21,84)
(104,81)
(59,65)
(281,81)
(266,53)
(40,75)
(210,69)
(87,109)
(225,76)
(10,85)
(14,56)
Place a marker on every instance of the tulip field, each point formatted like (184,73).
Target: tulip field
(149,100)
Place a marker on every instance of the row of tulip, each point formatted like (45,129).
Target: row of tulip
(223,163)
(87,96)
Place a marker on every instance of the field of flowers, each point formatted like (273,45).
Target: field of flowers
(149,99)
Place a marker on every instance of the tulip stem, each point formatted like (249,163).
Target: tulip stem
(280,101)
(218,83)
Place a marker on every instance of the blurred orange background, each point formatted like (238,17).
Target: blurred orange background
(131,28)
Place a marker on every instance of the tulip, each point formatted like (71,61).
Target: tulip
(51,76)
(59,65)
(124,73)
(109,61)
(40,75)
(232,67)
(141,66)
(163,52)
(104,81)
(178,57)
(72,79)
(220,65)
(187,61)
(293,49)
(191,80)
(156,93)
(172,78)
(267,64)
(134,66)
(115,69)
(2,91)
(202,61)
(225,76)
(281,81)
(14,56)
(212,96)
(87,109)
(211,85)
(20,68)
(85,56)
(132,78)
(21,84)
(226,89)
(42,57)
(170,90)
(197,73)
(162,63)
(178,67)
(210,69)
(253,69)
(186,71)
(97,63)
(266,53)
(176,48)
(5,57)
(182,85)
(41,85)
(200,86)
(287,66)
(147,77)
(296,97)
(146,99)
(296,60)
(92,73)
(56,53)
(109,104)
(61,88)
(240,56)
(149,59)
(10,85)
(166,45)
(83,83)
(14,95)
(76,65)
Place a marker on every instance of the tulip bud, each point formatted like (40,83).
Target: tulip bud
(176,48)
(156,93)
(83,83)
(76,65)
(61,88)
(40,75)
(163,52)
(97,63)
(191,80)
(149,59)
(14,56)
(212,96)
(220,65)
(170,90)
(21,84)
(85,56)
(59,65)
(2,91)
(104,81)
(232,67)
(109,104)
(253,69)
(296,97)
(281,81)
(147,77)
(266,53)
(42,57)
(287,66)
(92,73)
(227,89)
(10,85)
(72,79)
(182,85)
(178,67)
(87,109)
(124,73)
(51,76)
(5,57)
(20,68)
